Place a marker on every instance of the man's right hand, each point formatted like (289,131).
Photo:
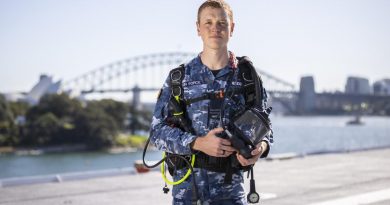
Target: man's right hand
(212,145)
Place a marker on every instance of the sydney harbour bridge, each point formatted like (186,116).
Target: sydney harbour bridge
(147,73)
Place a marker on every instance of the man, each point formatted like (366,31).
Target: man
(213,70)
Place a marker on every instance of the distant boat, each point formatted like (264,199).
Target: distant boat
(356,121)
(140,167)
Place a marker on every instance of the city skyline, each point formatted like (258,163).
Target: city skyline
(330,40)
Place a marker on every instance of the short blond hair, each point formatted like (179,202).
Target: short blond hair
(220,4)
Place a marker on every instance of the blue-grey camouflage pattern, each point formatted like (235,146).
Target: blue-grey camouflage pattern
(211,188)
(198,79)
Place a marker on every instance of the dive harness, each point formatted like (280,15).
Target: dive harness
(252,84)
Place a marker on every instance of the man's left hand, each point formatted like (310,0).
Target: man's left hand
(256,153)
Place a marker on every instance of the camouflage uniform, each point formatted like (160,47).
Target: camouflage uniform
(198,79)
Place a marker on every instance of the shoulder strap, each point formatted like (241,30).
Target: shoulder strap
(247,73)
(176,77)
(249,77)
(176,104)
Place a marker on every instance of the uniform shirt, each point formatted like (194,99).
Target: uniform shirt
(198,79)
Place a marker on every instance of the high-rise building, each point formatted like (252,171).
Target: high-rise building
(382,87)
(307,95)
(357,85)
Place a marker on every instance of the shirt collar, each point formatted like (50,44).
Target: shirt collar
(232,65)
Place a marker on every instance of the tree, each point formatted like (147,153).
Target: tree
(117,110)
(58,119)
(139,119)
(51,121)
(8,129)
(61,105)
(96,128)
(19,108)
(43,130)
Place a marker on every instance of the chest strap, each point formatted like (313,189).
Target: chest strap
(215,164)
(220,94)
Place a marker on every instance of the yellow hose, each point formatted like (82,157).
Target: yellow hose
(182,179)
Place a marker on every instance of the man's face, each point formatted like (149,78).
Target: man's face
(214,27)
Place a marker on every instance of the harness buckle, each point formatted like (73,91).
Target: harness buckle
(219,94)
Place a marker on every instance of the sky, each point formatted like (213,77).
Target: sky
(328,39)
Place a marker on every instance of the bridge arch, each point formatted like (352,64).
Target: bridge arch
(147,73)
(134,69)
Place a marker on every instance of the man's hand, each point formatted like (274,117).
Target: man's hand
(256,153)
(213,145)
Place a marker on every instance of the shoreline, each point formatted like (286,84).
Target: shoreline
(23,151)
(82,175)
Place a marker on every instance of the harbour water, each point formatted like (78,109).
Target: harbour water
(301,135)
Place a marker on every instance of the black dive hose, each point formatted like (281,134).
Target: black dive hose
(195,201)
(144,153)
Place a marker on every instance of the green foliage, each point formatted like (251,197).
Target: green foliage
(60,105)
(96,128)
(58,119)
(117,110)
(122,140)
(51,121)
(43,130)
(131,140)
(139,120)
(19,108)
(8,129)
(5,111)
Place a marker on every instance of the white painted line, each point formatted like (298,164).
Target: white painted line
(265,196)
(366,198)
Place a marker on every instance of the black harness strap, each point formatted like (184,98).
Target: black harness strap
(216,164)
(246,75)
(220,94)
(176,77)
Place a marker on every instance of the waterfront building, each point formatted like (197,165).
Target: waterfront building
(307,95)
(46,85)
(382,87)
(357,85)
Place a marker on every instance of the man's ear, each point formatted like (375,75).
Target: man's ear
(231,29)
(197,28)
